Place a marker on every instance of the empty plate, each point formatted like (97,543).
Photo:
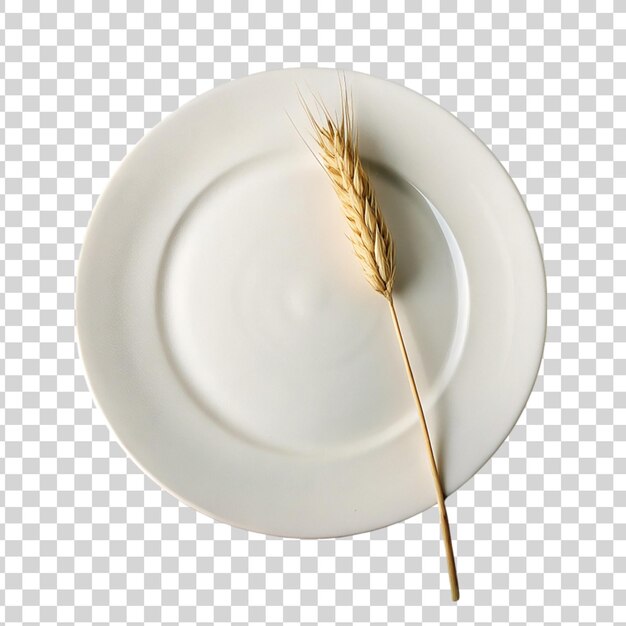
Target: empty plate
(237,351)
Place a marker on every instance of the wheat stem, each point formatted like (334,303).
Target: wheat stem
(443,513)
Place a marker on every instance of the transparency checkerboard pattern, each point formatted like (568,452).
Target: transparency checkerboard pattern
(540,532)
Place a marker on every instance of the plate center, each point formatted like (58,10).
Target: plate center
(271,326)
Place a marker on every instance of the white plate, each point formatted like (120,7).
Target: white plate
(235,347)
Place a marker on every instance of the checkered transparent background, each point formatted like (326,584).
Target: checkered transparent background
(85,537)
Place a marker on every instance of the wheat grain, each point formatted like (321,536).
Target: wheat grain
(369,234)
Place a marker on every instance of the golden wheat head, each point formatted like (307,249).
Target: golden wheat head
(370,237)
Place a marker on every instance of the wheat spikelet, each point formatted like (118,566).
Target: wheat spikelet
(373,245)
(369,234)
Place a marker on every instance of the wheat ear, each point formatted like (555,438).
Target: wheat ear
(373,245)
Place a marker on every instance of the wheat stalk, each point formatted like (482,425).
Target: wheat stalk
(372,242)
